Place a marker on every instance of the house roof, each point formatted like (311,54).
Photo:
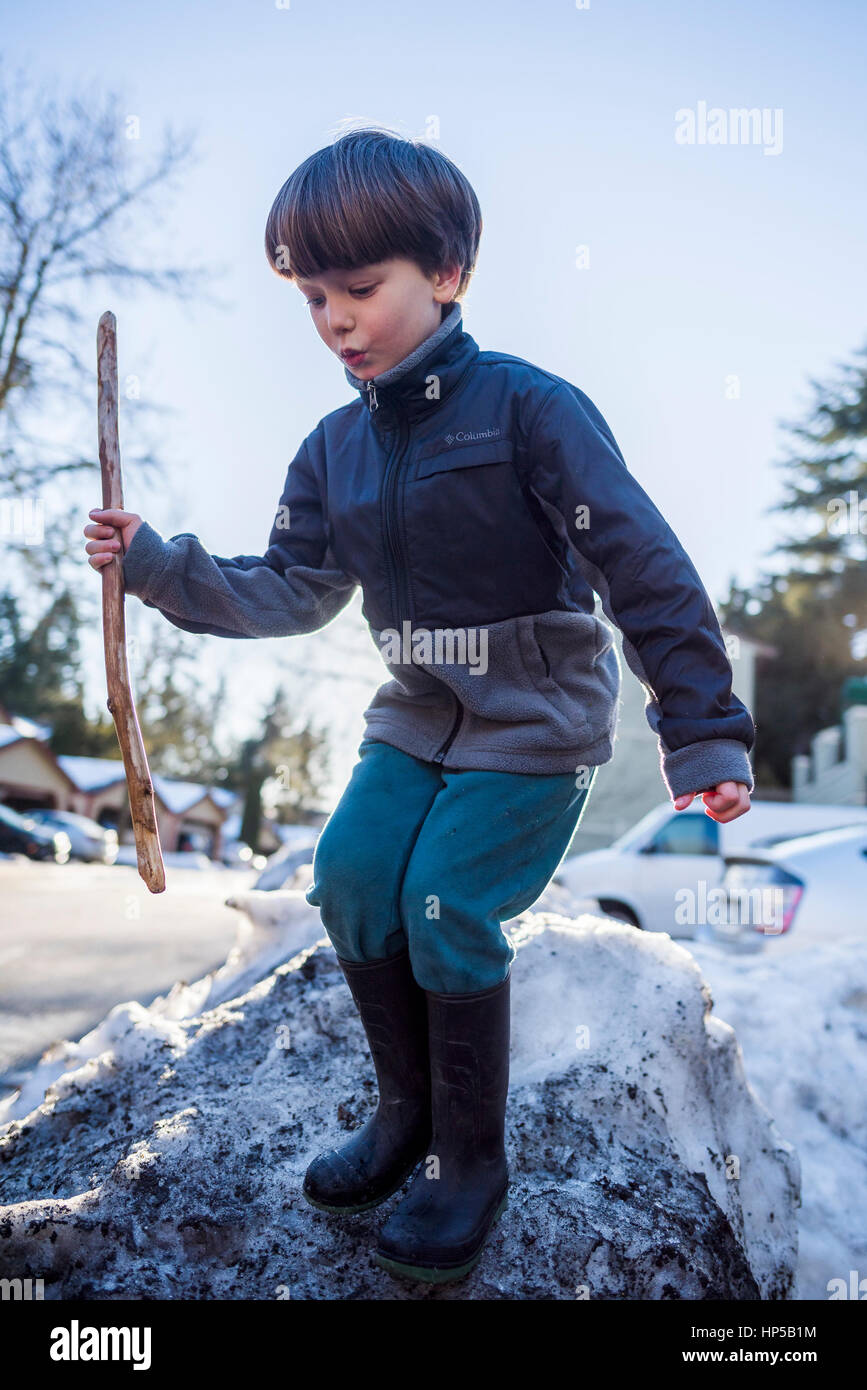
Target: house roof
(181,796)
(17,728)
(223,796)
(92,774)
(89,774)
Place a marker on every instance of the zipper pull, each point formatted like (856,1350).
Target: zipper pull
(372,402)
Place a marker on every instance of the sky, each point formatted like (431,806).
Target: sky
(716,278)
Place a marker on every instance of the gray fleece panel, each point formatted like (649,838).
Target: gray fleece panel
(240,597)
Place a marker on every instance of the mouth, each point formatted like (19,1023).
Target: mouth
(352,359)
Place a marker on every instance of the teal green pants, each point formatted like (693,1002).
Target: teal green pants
(418,855)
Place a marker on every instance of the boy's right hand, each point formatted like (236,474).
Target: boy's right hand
(103,528)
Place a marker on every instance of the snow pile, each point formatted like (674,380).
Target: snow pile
(169,1164)
(801,1020)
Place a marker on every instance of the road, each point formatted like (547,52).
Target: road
(76,939)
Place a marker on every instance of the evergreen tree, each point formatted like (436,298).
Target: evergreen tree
(40,675)
(177,718)
(814,610)
(288,762)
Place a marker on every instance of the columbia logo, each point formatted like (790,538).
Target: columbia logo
(464,435)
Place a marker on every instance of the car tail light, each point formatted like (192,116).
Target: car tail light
(765,895)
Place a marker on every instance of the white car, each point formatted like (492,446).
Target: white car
(666,872)
(806,890)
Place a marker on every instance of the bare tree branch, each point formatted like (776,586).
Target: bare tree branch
(78,202)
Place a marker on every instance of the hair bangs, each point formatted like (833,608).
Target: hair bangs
(371,196)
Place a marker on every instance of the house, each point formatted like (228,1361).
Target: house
(29,772)
(189,814)
(835,769)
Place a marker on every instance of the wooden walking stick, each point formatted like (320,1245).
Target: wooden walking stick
(120,700)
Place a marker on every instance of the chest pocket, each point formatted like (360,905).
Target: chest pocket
(461,456)
(473,538)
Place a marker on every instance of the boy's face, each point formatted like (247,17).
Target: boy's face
(382,311)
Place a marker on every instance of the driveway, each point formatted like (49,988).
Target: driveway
(76,939)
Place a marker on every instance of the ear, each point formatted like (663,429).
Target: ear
(446,282)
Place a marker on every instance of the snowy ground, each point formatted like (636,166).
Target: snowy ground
(801,1022)
(800,1017)
(167,1158)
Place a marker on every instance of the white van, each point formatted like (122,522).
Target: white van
(646,875)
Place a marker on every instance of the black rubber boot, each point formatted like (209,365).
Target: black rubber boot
(384,1151)
(437,1231)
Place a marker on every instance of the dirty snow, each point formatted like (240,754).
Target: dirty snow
(162,1155)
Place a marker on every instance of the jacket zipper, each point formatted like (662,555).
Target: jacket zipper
(389,512)
(392,537)
(392,530)
(440,754)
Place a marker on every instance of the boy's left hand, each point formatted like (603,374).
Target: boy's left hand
(724,802)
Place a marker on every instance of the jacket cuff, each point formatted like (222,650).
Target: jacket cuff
(699,767)
(144,562)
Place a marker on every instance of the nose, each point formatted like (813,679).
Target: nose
(340,319)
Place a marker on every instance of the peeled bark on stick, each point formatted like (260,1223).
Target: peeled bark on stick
(120,699)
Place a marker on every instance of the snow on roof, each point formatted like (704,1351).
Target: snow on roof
(24,728)
(90,773)
(30,729)
(179,796)
(223,796)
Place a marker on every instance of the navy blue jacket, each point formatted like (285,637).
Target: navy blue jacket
(479,501)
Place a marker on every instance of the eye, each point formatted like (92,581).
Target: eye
(361,289)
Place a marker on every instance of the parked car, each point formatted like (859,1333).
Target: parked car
(21,835)
(658,874)
(804,890)
(90,841)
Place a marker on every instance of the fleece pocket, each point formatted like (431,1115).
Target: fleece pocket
(561,649)
(526,686)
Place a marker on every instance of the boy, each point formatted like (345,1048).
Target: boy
(479,501)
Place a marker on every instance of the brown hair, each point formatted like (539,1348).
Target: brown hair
(370,196)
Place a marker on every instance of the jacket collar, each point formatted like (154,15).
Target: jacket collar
(446,354)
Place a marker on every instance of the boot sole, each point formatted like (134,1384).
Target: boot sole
(439,1274)
(374,1201)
